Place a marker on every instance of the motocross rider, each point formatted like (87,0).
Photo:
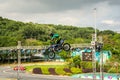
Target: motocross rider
(55,38)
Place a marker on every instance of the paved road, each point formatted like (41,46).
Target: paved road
(6,73)
(5,76)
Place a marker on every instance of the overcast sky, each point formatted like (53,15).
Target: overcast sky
(67,12)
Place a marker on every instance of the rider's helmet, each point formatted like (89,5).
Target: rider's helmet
(51,34)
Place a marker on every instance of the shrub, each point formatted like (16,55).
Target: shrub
(74,61)
(76,70)
(77,61)
(69,74)
(107,67)
(45,70)
(63,54)
(87,70)
(119,70)
(67,70)
(60,71)
(86,64)
(112,70)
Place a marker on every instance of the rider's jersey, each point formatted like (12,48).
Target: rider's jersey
(55,38)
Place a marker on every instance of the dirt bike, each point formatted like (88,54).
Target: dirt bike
(57,48)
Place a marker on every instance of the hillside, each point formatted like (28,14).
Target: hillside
(38,34)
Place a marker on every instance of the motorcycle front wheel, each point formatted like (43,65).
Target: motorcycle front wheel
(51,55)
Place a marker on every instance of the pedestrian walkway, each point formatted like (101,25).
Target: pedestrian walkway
(7,79)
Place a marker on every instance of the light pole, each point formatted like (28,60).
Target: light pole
(95,24)
(94,50)
(101,66)
(100,45)
(19,59)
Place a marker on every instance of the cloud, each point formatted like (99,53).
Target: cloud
(114,2)
(43,6)
(68,20)
(68,12)
(24,6)
(110,22)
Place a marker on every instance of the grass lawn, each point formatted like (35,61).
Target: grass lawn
(45,65)
(58,66)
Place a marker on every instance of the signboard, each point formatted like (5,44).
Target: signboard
(87,56)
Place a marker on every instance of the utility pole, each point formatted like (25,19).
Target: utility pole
(19,60)
(101,57)
(94,50)
(101,66)
(93,43)
(95,24)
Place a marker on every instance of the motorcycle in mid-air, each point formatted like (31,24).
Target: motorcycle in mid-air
(56,48)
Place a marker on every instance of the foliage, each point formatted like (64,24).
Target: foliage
(63,54)
(107,67)
(32,42)
(30,68)
(45,70)
(12,31)
(76,70)
(70,62)
(35,34)
(115,58)
(86,64)
(60,71)
(112,70)
(75,61)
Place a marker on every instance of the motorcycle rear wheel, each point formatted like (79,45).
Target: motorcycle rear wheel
(66,46)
